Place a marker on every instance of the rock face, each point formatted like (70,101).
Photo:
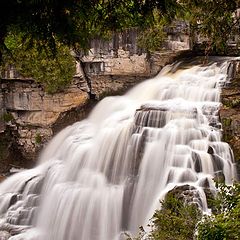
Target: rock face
(188,194)
(31,116)
(121,54)
(33,106)
(32,112)
(230,112)
(120,79)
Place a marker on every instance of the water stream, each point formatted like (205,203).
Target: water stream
(105,175)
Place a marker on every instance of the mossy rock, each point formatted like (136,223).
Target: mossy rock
(226,122)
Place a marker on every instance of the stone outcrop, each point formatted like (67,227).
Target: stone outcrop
(230,112)
(122,55)
(187,194)
(32,117)
(32,112)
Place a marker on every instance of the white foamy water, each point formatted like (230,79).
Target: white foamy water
(105,175)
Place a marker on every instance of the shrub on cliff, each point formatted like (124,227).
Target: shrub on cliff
(35,60)
(176,220)
(224,223)
(152,38)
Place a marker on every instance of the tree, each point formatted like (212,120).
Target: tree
(73,22)
(177,220)
(46,24)
(37,62)
(34,33)
(215,21)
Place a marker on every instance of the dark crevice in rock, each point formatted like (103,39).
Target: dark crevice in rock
(10,154)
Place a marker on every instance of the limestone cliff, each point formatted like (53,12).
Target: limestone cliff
(30,116)
(230,112)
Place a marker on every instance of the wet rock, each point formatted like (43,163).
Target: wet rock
(188,194)
(2,177)
(13,200)
(217,163)
(219,177)
(147,117)
(205,183)
(210,150)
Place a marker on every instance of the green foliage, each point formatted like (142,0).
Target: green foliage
(45,28)
(213,20)
(153,37)
(75,22)
(226,122)
(34,59)
(232,103)
(7,117)
(38,138)
(224,223)
(176,220)
(35,36)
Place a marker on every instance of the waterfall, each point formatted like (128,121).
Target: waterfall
(106,174)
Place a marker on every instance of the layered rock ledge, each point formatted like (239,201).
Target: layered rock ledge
(230,113)
(30,117)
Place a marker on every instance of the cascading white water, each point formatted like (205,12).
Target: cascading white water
(105,175)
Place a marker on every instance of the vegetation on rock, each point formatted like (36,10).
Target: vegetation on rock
(36,36)
(152,38)
(177,220)
(74,22)
(33,59)
(214,21)
(7,117)
(38,138)
(224,223)
(48,29)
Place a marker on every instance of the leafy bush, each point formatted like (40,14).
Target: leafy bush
(224,223)
(36,60)
(176,220)
(7,117)
(38,138)
(152,38)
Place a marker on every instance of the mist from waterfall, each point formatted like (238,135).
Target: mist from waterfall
(106,174)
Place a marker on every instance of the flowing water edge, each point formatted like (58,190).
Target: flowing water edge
(106,174)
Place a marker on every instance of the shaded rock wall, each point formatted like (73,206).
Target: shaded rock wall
(230,112)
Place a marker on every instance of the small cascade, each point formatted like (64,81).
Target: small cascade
(106,174)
